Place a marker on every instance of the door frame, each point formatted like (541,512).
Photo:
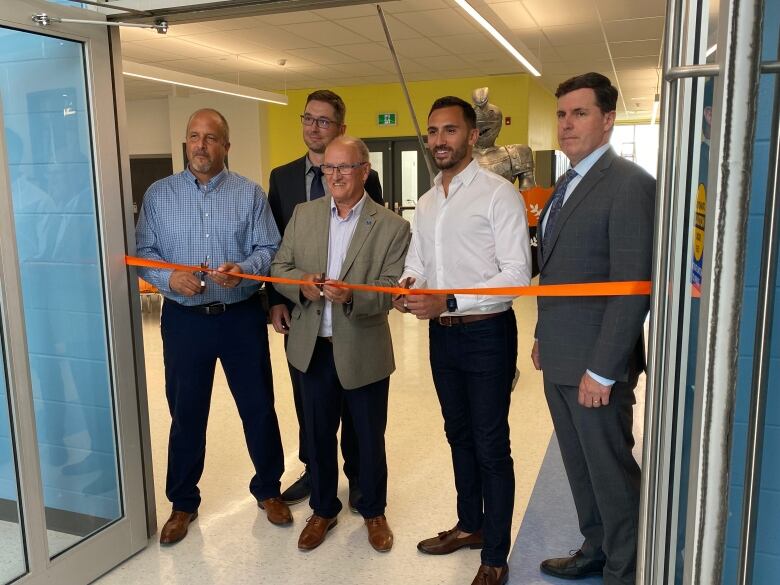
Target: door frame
(108,547)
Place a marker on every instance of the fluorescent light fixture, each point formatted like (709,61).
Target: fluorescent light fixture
(711,50)
(656,105)
(472,12)
(161,75)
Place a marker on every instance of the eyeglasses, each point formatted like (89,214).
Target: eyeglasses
(344,169)
(323,123)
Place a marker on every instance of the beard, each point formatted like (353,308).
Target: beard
(201,165)
(456,155)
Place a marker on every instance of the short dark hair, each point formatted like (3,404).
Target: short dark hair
(606,93)
(451,101)
(332,98)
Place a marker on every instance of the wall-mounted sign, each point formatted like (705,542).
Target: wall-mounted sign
(387,119)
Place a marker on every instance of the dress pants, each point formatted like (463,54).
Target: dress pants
(349,446)
(473,365)
(192,343)
(596,446)
(323,397)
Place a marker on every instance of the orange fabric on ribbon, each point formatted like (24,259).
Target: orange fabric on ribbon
(589,289)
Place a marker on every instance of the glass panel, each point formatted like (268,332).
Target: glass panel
(13,562)
(409,191)
(377,163)
(47,127)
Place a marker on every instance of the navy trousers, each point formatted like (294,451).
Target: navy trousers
(192,343)
(473,366)
(349,442)
(323,400)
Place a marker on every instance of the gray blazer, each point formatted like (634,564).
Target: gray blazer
(604,232)
(362,347)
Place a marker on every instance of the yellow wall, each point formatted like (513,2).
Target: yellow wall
(511,93)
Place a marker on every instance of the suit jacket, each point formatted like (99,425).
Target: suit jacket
(604,232)
(287,189)
(362,347)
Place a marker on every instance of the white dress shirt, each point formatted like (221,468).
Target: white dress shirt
(340,232)
(475,237)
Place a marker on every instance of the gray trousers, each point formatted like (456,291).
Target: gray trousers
(596,446)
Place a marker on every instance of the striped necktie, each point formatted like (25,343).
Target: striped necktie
(555,208)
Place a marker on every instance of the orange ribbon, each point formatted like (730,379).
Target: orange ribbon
(589,289)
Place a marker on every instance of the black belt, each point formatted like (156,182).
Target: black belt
(450,321)
(215,308)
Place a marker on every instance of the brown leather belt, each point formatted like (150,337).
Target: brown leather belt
(450,321)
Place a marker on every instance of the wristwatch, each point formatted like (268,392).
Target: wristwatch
(452,304)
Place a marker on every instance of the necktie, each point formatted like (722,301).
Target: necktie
(555,208)
(317,190)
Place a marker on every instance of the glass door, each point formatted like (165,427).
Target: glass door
(72,385)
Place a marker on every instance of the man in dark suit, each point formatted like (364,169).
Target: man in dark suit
(297,182)
(597,226)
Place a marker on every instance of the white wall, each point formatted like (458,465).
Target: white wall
(243,116)
(157,126)
(148,128)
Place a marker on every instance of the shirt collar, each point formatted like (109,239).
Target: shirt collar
(587,163)
(465,176)
(354,212)
(213,182)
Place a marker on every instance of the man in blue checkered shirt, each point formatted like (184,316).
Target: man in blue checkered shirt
(208,215)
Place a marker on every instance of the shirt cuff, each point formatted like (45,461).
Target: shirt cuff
(600,379)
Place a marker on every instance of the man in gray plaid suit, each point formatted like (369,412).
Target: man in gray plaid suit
(597,226)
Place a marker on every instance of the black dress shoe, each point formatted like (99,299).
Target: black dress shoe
(577,566)
(354,497)
(298,491)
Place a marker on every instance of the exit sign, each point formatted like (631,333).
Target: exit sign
(386,119)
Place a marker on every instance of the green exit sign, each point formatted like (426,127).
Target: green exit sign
(387,119)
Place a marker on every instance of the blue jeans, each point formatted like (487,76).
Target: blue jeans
(473,365)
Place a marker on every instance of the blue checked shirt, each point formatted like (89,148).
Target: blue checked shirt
(227,220)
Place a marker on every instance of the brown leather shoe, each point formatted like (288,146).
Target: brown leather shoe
(315,532)
(175,528)
(449,541)
(277,511)
(491,575)
(379,534)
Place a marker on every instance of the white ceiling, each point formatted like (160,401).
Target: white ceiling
(434,39)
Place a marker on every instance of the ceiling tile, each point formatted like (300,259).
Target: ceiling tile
(325,32)
(140,53)
(288,18)
(574,34)
(476,43)
(371,28)
(635,48)
(439,23)
(412,5)
(339,12)
(570,68)
(446,63)
(367,51)
(635,29)
(561,12)
(538,44)
(621,9)
(322,56)
(418,48)
(513,14)
(234,23)
(233,42)
(636,63)
(277,38)
(128,34)
(593,51)
(364,68)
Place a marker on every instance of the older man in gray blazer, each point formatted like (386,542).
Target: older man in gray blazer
(339,338)
(597,226)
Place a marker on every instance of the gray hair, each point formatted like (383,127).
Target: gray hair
(355,143)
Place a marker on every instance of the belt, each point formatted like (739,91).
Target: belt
(323,338)
(450,321)
(215,308)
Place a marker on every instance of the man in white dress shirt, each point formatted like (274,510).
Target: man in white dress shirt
(470,231)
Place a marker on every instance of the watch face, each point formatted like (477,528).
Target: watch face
(452,304)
